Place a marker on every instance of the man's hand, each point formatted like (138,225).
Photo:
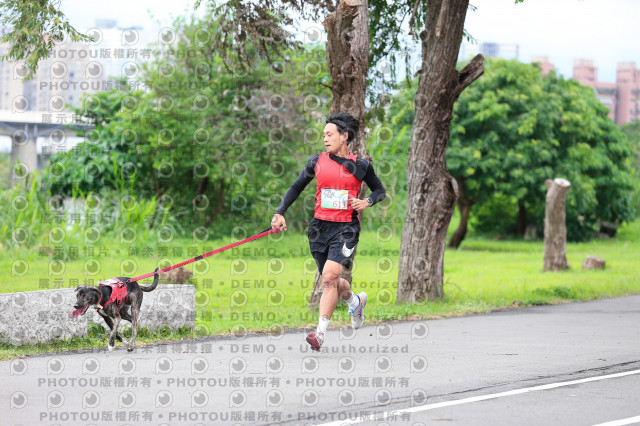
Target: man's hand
(277,221)
(358,205)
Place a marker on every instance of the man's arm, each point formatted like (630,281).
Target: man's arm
(306,176)
(378,193)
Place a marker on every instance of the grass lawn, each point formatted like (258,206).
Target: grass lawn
(264,285)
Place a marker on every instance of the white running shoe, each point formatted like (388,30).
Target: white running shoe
(357,314)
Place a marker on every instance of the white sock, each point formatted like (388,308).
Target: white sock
(323,323)
(353,302)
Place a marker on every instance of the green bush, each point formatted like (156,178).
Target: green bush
(58,224)
(499,215)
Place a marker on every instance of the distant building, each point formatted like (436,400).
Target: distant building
(106,23)
(622,97)
(628,88)
(543,63)
(74,69)
(586,73)
(489,50)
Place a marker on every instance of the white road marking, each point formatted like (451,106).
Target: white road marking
(427,407)
(621,422)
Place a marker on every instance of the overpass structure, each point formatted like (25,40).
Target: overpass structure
(24,128)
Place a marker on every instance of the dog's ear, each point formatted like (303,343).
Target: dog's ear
(80,287)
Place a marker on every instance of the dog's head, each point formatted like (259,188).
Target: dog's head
(85,298)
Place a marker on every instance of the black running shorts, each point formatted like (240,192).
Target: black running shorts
(333,241)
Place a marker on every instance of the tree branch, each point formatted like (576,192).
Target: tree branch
(469,74)
(413,15)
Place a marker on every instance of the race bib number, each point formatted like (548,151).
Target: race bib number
(334,199)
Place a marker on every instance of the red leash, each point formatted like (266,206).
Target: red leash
(260,234)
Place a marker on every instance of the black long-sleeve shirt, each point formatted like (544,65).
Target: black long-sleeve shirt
(378,192)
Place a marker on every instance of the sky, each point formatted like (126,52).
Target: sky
(604,31)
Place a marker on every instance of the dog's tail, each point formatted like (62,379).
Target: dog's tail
(154,284)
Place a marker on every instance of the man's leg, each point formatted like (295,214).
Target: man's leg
(334,286)
(344,289)
(355,302)
(331,281)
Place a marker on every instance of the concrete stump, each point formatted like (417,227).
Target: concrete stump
(592,262)
(43,316)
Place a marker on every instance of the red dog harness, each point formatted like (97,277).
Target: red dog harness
(118,291)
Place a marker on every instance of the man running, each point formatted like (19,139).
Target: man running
(335,228)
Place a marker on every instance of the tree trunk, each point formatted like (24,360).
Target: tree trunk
(464,205)
(522,219)
(202,185)
(159,193)
(432,191)
(555,227)
(220,195)
(348,63)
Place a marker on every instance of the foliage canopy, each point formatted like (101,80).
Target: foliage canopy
(515,128)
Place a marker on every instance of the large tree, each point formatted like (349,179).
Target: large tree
(432,191)
(632,131)
(347,56)
(515,128)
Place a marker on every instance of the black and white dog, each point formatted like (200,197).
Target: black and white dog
(126,306)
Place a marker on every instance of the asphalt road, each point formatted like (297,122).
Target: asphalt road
(572,364)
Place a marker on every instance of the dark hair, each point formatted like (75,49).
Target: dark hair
(346,123)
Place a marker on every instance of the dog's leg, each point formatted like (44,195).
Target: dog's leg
(135,312)
(109,322)
(114,331)
(127,317)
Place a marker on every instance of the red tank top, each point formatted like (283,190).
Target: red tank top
(334,187)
